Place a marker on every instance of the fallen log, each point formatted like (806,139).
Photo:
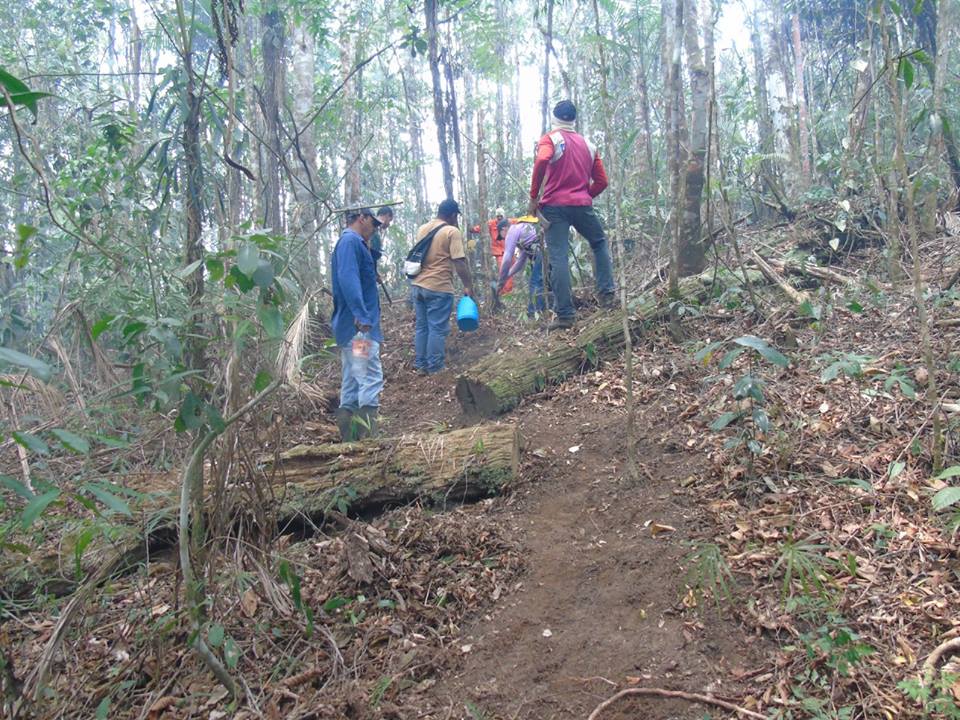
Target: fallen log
(308,481)
(796,296)
(455,467)
(497,383)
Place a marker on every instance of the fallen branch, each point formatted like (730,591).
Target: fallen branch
(690,697)
(773,276)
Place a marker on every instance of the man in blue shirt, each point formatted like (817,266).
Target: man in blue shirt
(356,326)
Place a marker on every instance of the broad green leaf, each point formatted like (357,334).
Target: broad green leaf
(767,351)
(131,330)
(272,320)
(906,71)
(22,254)
(113,442)
(215,268)
(19,93)
(12,84)
(185,272)
(761,419)
(214,418)
(16,486)
(237,278)
(854,306)
(704,354)
(729,358)
(335,603)
(37,368)
(103,709)
(261,381)
(71,441)
(101,325)
(231,653)
(215,635)
(952,471)
(101,493)
(721,422)
(36,506)
(31,442)
(896,468)
(263,275)
(946,497)
(191,413)
(248,258)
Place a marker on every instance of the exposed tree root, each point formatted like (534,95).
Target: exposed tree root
(690,697)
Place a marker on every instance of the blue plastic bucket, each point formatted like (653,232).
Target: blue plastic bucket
(468,314)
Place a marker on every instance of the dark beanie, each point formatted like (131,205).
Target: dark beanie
(565,110)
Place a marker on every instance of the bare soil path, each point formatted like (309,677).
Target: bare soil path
(600,604)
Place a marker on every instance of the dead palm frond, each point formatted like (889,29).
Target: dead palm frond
(291,351)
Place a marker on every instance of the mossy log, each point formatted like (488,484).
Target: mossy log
(363,478)
(497,383)
(455,467)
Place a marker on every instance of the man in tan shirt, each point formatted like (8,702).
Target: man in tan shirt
(433,287)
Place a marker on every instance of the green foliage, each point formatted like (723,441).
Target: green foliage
(802,564)
(292,581)
(750,416)
(19,93)
(935,697)
(709,574)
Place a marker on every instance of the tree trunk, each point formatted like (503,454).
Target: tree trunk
(769,170)
(498,383)
(644,95)
(803,115)
(547,49)
(305,164)
(271,45)
(691,254)
(370,476)
(412,99)
(439,115)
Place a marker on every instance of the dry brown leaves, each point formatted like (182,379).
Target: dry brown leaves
(386,598)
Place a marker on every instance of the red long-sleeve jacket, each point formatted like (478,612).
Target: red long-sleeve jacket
(569,168)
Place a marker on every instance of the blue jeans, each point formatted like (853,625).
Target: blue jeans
(361,391)
(586,222)
(433,326)
(535,301)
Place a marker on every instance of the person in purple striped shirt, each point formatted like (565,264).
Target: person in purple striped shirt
(522,237)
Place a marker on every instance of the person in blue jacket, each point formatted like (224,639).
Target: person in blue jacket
(356,319)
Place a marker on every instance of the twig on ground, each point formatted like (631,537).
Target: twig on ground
(660,692)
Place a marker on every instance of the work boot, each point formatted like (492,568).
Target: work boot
(561,323)
(345,424)
(366,421)
(607,300)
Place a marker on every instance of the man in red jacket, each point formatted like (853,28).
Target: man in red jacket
(570,173)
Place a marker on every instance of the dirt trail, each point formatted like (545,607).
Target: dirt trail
(600,599)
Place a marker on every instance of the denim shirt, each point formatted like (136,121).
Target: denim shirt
(355,296)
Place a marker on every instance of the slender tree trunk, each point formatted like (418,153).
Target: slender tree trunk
(803,115)
(691,255)
(135,53)
(272,46)
(408,76)
(304,165)
(547,49)
(675,95)
(644,95)
(769,169)
(439,114)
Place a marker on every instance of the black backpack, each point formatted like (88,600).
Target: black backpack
(414,262)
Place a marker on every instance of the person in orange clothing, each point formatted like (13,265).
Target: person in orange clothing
(497,239)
